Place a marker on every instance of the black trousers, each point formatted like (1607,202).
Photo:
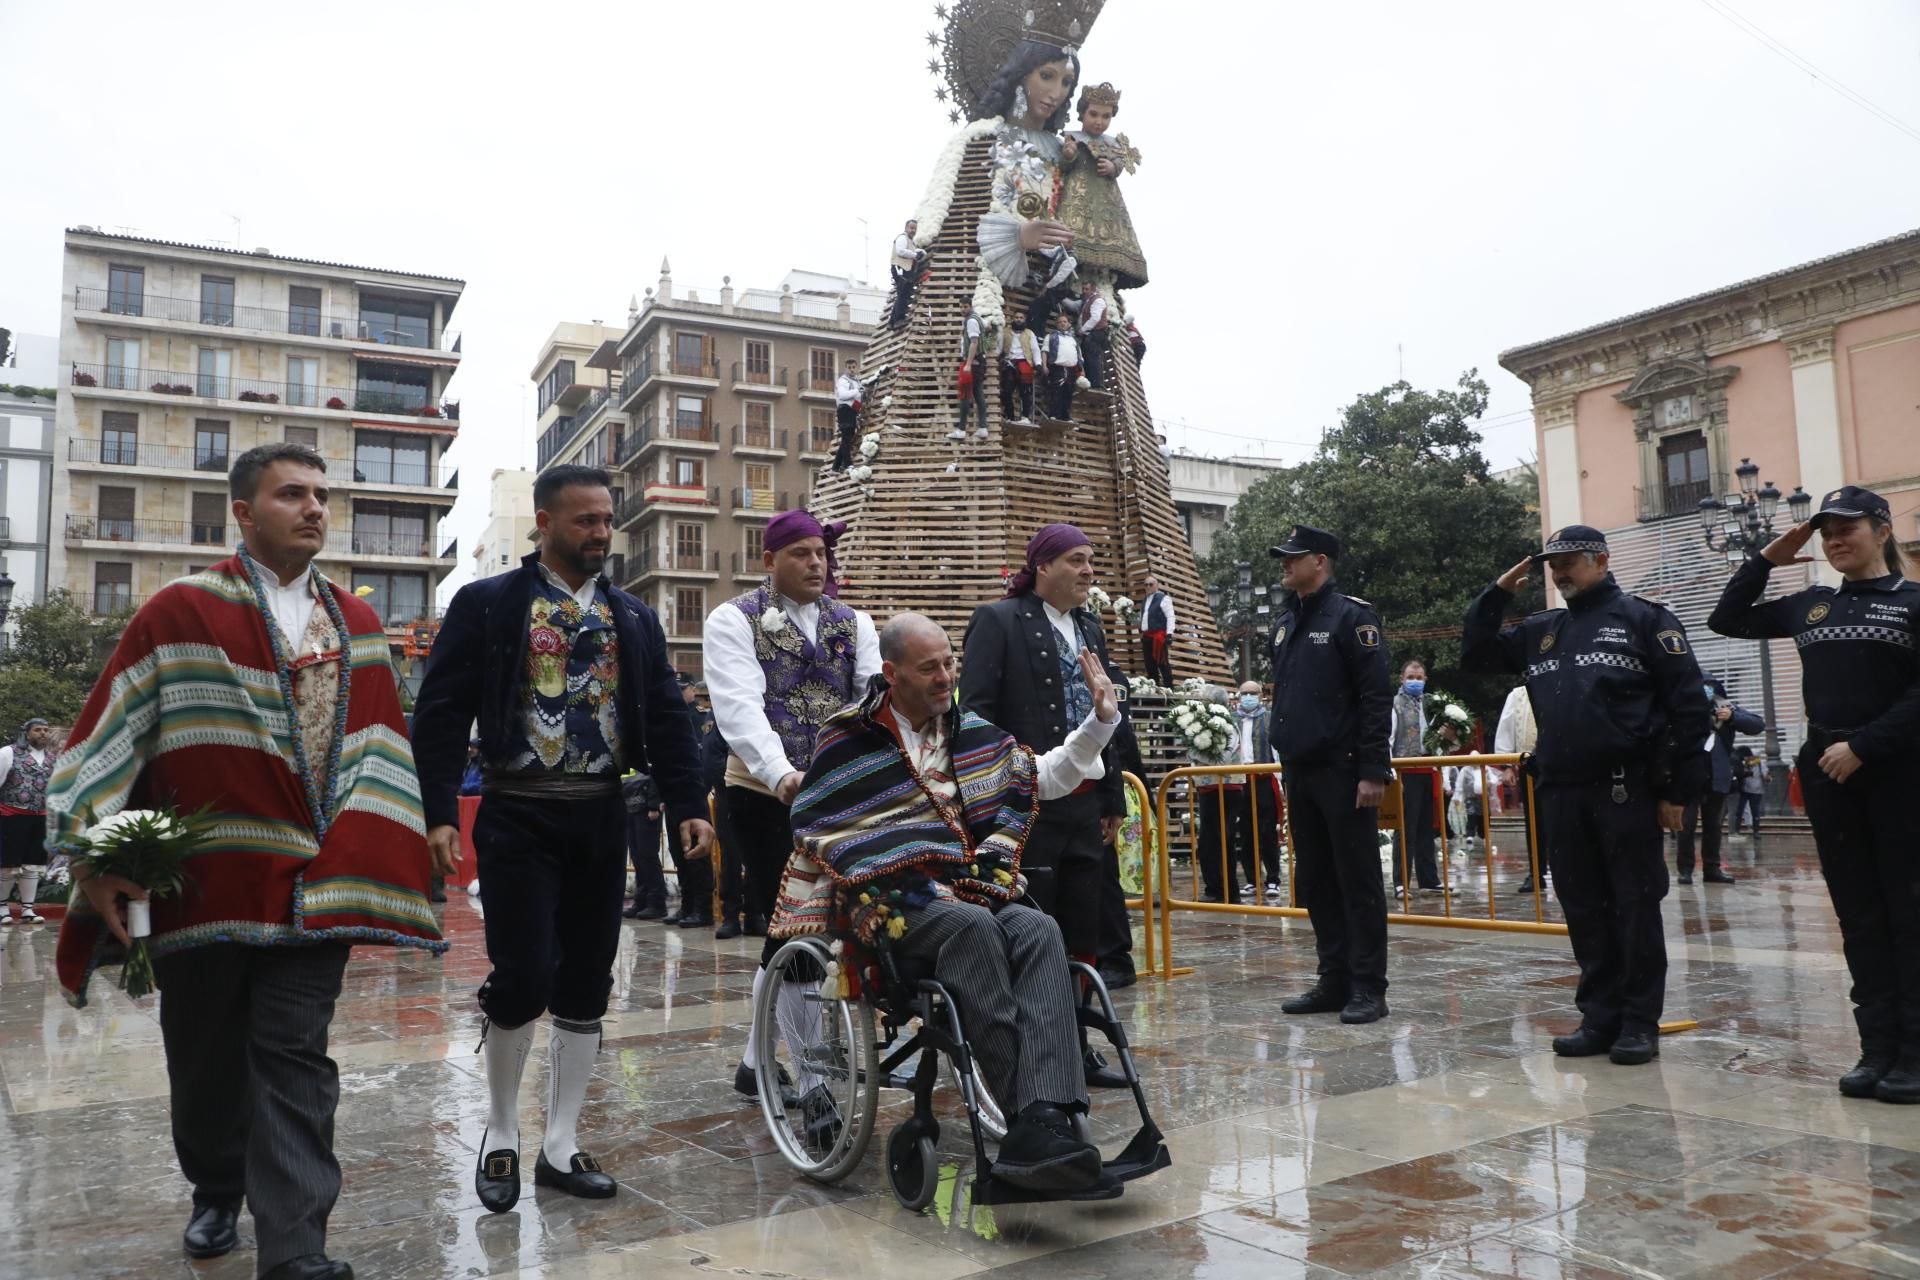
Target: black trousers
(1064,863)
(849,423)
(1116,926)
(1749,803)
(1416,798)
(761,832)
(1093,351)
(1863,829)
(253,1091)
(1610,873)
(23,840)
(1706,813)
(1337,860)
(904,283)
(696,877)
(1159,660)
(1011,383)
(1247,809)
(552,877)
(732,875)
(643,851)
(1061,384)
(977,401)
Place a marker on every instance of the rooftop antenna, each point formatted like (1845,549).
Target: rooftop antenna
(866,250)
(236,230)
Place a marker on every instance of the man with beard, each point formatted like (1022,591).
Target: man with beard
(569,679)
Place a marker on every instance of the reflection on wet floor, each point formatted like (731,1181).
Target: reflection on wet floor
(1444,1141)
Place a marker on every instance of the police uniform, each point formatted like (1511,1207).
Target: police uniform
(1332,708)
(1860,680)
(1622,713)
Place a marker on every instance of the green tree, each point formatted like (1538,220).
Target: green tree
(1402,482)
(57,653)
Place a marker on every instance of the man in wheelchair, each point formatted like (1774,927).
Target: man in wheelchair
(909,828)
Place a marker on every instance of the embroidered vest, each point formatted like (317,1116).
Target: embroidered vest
(807,680)
(26,786)
(569,696)
(1407,741)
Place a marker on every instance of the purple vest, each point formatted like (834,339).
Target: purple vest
(25,789)
(807,681)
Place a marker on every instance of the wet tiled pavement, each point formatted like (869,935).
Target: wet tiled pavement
(1445,1141)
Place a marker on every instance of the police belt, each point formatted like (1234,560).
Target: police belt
(1599,775)
(543,784)
(1827,733)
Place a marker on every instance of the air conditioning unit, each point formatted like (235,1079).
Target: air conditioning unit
(337,330)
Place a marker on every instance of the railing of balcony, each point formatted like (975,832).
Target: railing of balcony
(688,427)
(749,437)
(166,457)
(600,399)
(1665,502)
(818,384)
(748,375)
(108,600)
(6,528)
(695,368)
(816,440)
(626,448)
(299,395)
(628,510)
(690,561)
(761,500)
(616,568)
(173,533)
(298,322)
(554,439)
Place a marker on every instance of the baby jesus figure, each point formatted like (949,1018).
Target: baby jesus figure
(1091,162)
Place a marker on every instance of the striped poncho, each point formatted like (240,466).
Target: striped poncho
(872,835)
(191,711)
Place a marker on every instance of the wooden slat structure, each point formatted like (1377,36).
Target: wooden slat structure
(947,520)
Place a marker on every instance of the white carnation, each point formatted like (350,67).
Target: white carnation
(773,621)
(1122,604)
(1203,740)
(1457,712)
(870,445)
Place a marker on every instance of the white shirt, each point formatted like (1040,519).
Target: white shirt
(1516,731)
(1062,350)
(847,389)
(6,759)
(905,251)
(1059,771)
(1093,314)
(1070,641)
(1166,605)
(291,605)
(737,683)
(1020,344)
(582,595)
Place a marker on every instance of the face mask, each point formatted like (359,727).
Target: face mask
(1249,702)
(1415,688)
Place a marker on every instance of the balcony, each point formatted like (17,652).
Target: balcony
(748,566)
(687,628)
(258,392)
(553,440)
(817,386)
(108,601)
(688,562)
(303,323)
(165,457)
(616,568)
(819,443)
(626,449)
(684,429)
(696,370)
(160,533)
(760,502)
(766,381)
(1669,501)
(635,377)
(394,545)
(761,439)
(600,399)
(684,496)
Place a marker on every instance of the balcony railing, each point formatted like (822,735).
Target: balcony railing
(687,627)
(748,565)
(301,323)
(818,385)
(600,399)
(689,561)
(693,430)
(173,533)
(628,510)
(625,449)
(298,395)
(169,457)
(553,440)
(694,369)
(1667,501)
(6,528)
(746,375)
(616,568)
(820,441)
(746,437)
(108,600)
(761,500)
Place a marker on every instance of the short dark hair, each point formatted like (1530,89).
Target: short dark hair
(244,480)
(554,479)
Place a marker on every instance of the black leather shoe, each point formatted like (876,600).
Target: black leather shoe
(1117,979)
(1636,1047)
(497,1178)
(699,920)
(746,1081)
(673,917)
(310,1266)
(1320,999)
(1902,1084)
(755,927)
(582,1177)
(1526,886)
(1364,1006)
(652,911)
(1685,877)
(1041,1152)
(212,1231)
(1584,1043)
(728,929)
(1715,875)
(1872,1068)
(1102,1076)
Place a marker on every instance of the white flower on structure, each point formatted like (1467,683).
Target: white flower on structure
(1203,740)
(1122,605)
(886,401)
(860,475)
(1457,713)
(870,445)
(111,826)
(773,621)
(1098,598)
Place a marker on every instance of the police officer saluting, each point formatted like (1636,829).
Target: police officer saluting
(1332,708)
(1622,713)
(1860,768)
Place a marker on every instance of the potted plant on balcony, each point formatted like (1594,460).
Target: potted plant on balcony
(335,402)
(427,411)
(251,397)
(85,380)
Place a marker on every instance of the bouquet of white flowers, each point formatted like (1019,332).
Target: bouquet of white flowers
(1138,685)
(1123,608)
(1447,710)
(1207,730)
(148,847)
(1099,600)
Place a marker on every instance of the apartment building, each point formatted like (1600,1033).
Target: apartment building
(509,530)
(712,415)
(177,358)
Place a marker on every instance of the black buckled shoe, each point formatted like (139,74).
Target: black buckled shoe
(496,1179)
(1320,999)
(1041,1152)
(309,1266)
(1363,1007)
(746,1081)
(1872,1068)
(1902,1084)
(1102,1076)
(1584,1043)
(581,1177)
(1525,886)
(1634,1048)
(213,1231)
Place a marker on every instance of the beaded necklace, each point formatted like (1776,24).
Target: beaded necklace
(320,789)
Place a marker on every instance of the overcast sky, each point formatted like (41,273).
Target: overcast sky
(1331,194)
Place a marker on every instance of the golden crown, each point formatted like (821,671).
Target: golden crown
(1100,95)
(981,35)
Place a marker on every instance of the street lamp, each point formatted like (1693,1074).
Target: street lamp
(6,596)
(1233,608)
(1736,527)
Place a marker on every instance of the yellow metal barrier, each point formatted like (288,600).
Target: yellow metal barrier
(1167,903)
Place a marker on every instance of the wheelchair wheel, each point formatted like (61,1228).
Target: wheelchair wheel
(913,1167)
(823,1121)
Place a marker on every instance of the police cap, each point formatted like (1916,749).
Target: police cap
(1575,539)
(1304,539)
(1850,502)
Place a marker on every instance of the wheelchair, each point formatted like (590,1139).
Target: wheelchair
(820,1082)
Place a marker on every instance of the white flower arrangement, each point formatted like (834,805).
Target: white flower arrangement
(1123,607)
(870,445)
(773,621)
(167,823)
(860,474)
(1099,599)
(886,401)
(1207,729)
(1457,713)
(1194,687)
(938,199)
(989,297)
(1138,685)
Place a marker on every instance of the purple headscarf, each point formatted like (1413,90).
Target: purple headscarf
(1051,542)
(790,527)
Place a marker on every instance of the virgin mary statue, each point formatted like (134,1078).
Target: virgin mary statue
(935,524)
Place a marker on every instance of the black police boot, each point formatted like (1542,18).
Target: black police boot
(1902,1084)
(1584,1043)
(214,1230)
(1365,1006)
(1636,1047)
(1867,1073)
(1685,877)
(1322,997)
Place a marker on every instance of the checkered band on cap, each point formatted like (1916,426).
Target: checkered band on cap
(1566,546)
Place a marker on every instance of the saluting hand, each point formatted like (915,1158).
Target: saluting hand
(1785,549)
(1515,578)
(1106,704)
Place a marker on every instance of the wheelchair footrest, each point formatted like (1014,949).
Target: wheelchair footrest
(1139,1159)
(989,1190)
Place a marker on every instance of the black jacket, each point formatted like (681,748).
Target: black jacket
(1614,684)
(1859,652)
(1332,691)
(475,671)
(1010,674)
(1721,754)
